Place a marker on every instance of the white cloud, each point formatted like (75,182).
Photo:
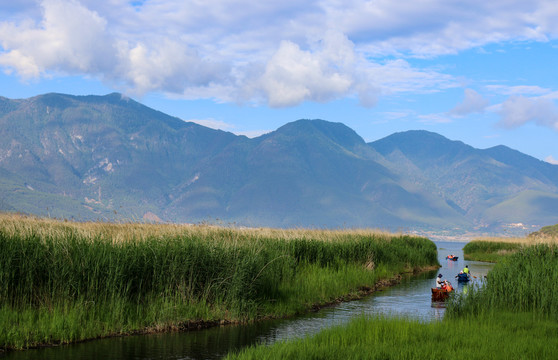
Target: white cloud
(434,27)
(169,66)
(396,114)
(293,75)
(221,125)
(551,160)
(253,133)
(398,76)
(69,39)
(282,53)
(213,124)
(331,68)
(551,95)
(473,102)
(519,110)
(518,90)
(434,119)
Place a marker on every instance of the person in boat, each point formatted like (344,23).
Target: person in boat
(450,256)
(443,284)
(460,276)
(466,270)
(439,282)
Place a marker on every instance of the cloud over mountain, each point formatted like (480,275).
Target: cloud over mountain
(280,53)
(473,102)
(518,110)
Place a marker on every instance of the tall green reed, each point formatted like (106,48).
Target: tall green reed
(506,336)
(405,251)
(491,251)
(524,281)
(38,269)
(124,277)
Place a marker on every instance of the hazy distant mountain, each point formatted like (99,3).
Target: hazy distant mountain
(492,187)
(110,155)
(111,158)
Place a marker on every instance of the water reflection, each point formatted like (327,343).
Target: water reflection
(410,298)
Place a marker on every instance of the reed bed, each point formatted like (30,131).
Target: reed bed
(526,240)
(490,251)
(17,224)
(526,281)
(513,315)
(506,336)
(64,281)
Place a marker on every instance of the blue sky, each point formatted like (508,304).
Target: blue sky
(482,72)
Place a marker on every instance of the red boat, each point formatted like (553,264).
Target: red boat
(452,258)
(441,294)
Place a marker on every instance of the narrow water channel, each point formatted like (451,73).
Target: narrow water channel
(412,297)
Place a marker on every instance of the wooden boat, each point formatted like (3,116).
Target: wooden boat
(440,294)
(452,258)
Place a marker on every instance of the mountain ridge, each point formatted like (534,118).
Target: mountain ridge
(112,158)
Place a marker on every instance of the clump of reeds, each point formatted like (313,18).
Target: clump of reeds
(531,239)
(122,277)
(490,251)
(524,281)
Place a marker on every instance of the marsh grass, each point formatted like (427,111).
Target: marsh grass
(490,251)
(527,240)
(64,282)
(513,315)
(524,281)
(316,285)
(505,336)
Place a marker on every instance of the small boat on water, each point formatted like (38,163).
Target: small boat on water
(463,278)
(441,294)
(452,258)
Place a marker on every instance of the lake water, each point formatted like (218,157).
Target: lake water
(412,297)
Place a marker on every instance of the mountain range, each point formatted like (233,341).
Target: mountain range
(111,158)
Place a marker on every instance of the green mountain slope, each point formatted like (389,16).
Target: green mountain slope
(112,158)
(529,207)
(491,187)
(107,152)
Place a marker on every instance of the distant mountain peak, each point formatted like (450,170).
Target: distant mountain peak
(421,144)
(336,132)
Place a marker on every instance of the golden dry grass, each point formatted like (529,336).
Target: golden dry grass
(12,224)
(528,240)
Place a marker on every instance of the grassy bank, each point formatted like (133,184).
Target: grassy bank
(514,316)
(490,251)
(65,282)
(506,336)
(494,249)
(526,281)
